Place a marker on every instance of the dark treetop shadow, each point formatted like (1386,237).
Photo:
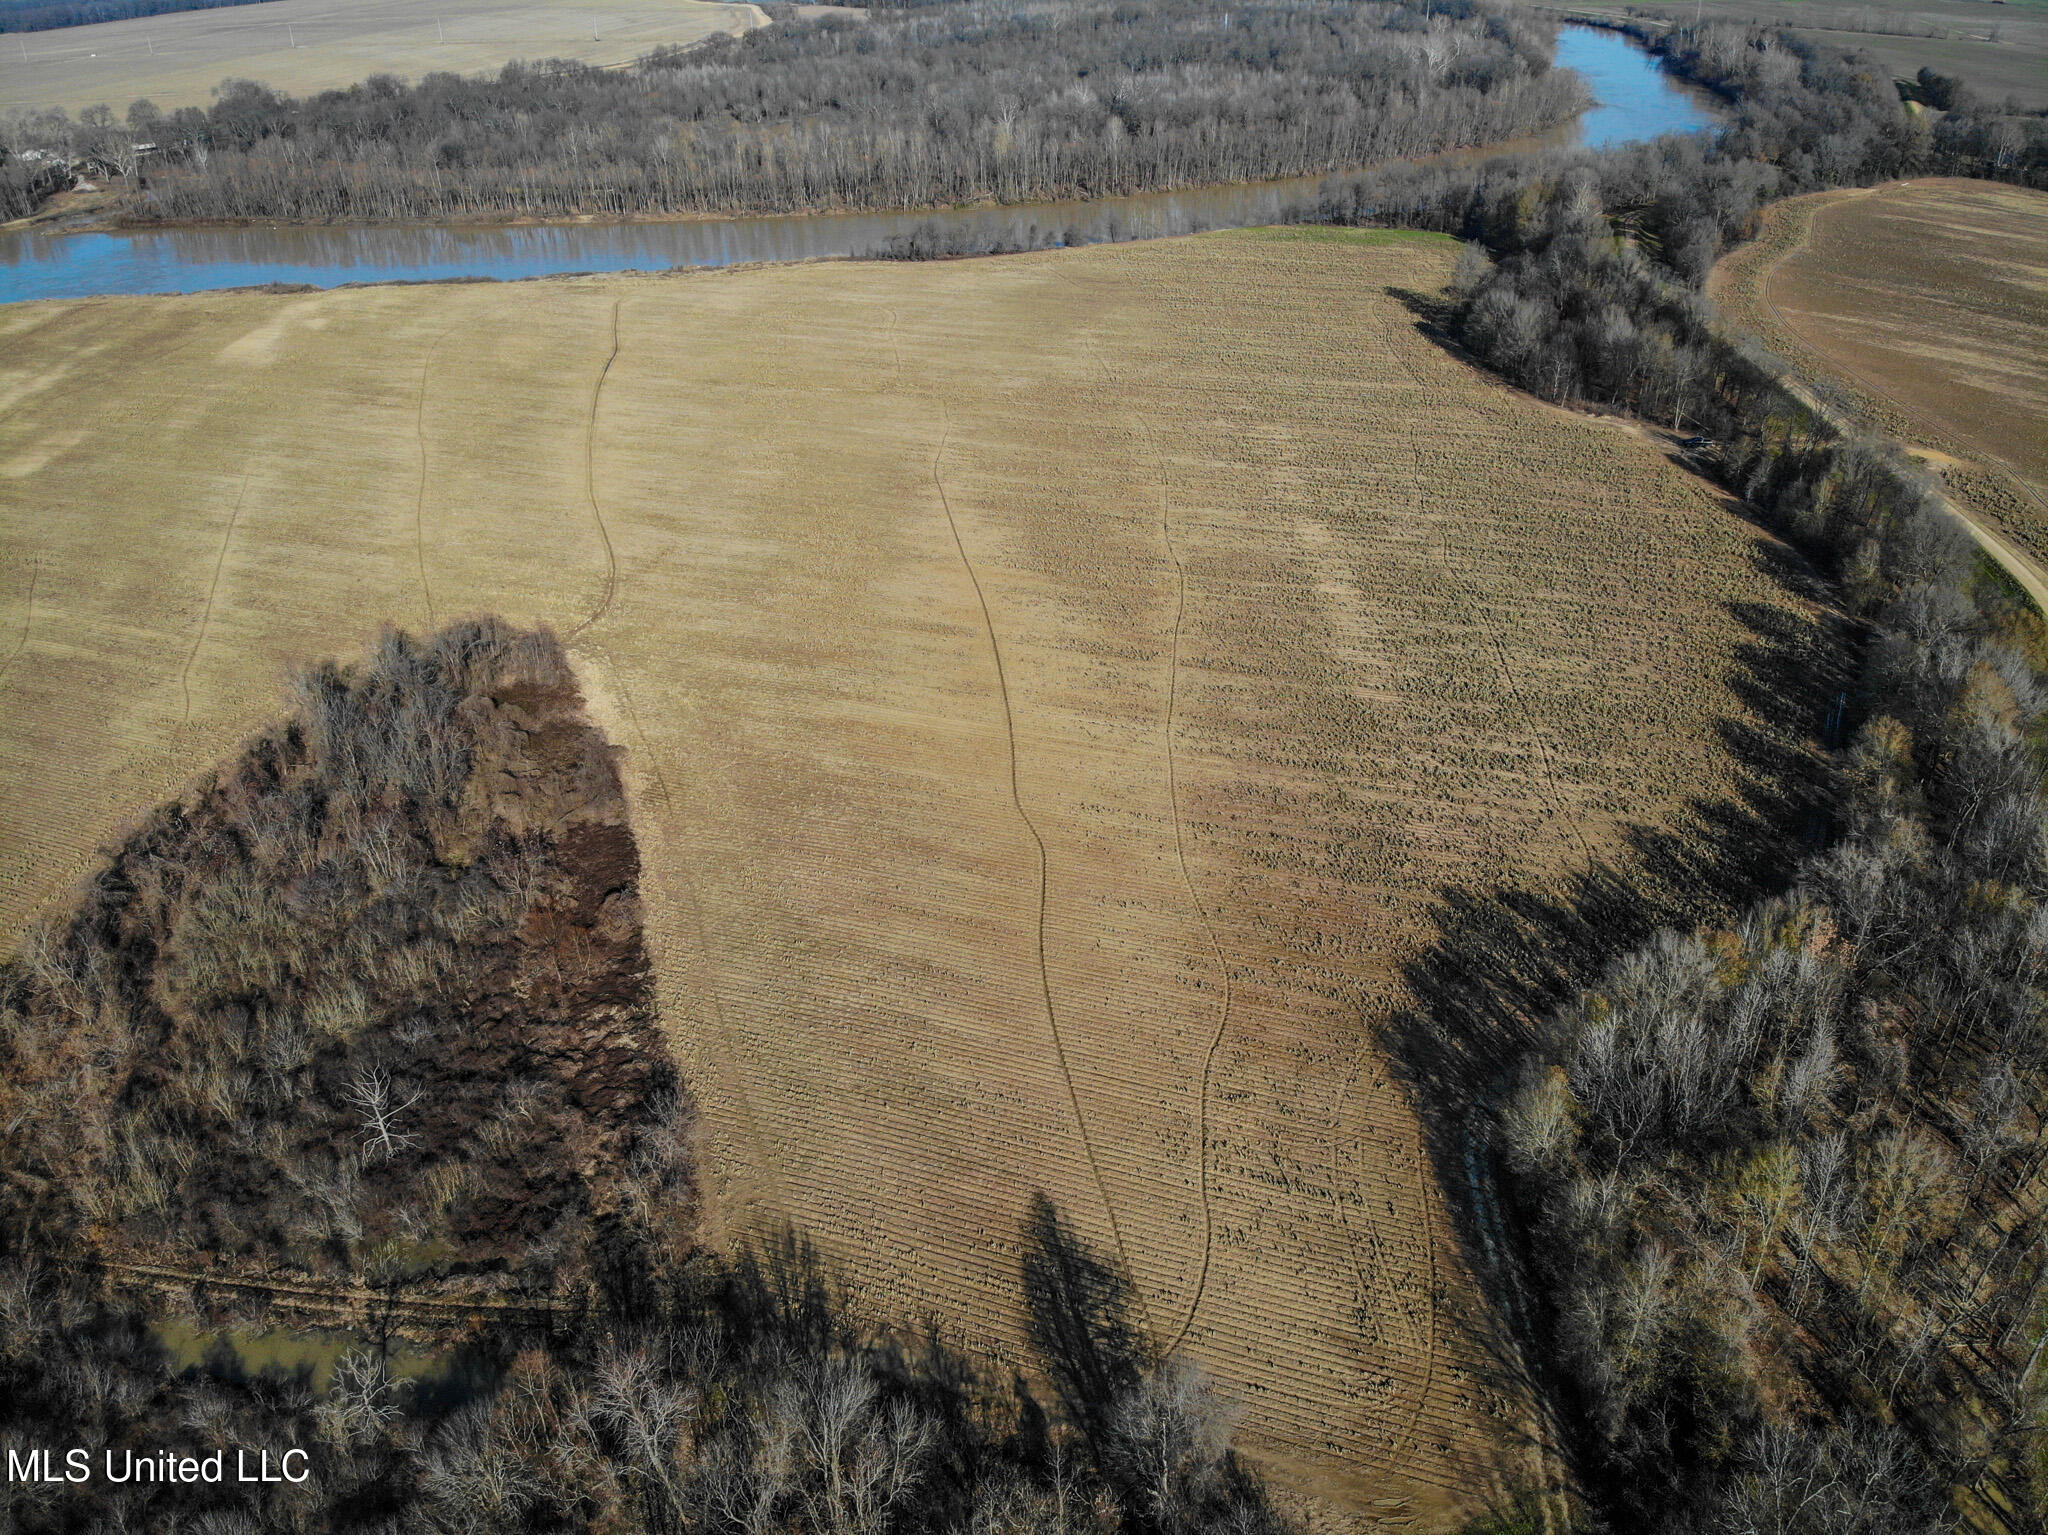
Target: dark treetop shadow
(1078,1314)
(1505,958)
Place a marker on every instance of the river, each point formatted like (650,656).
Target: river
(1635,100)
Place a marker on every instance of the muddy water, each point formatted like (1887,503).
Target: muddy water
(1636,100)
(287,1351)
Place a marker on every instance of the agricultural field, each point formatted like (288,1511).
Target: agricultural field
(1063,699)
(1998,47)
(1921,307)
(302,46)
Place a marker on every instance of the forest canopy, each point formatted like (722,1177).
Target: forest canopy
(48,15)
(920,107)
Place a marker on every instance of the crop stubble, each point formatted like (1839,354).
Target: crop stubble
(1054,689)
(301,46)
(1922,307)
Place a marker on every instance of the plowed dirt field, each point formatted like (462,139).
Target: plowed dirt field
(1055,692)
(1922,308)
(303,46)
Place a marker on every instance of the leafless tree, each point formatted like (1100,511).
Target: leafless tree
(650,1414)
(1168,1441)
(362,1399)
(375,1099)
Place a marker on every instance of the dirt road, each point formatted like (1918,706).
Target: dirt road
(1915,310)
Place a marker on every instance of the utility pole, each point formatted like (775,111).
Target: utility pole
(441,29)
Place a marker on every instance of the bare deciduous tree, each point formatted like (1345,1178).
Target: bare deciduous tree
(376,1100)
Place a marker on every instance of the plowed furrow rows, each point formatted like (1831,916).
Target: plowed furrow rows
(1060,813)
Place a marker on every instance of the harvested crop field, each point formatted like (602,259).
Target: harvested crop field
(2000,49)
(301,46)
(1056,692)
(1921,307)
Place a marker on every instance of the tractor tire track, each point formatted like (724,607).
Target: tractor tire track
(1180,851)
(1038,845)
(896,348)
(1513,685)
(293,1295)
(1545,1456)
(206,617)
(771,1169)
(1553,793)
(419,506)
(1418,1335)
(28,618)
(1170,720)
(611,559)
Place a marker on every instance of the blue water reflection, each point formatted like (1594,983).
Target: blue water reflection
(1637,101)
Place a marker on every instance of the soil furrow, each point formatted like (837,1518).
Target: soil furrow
(1038,844)
(611,559)
(212,588)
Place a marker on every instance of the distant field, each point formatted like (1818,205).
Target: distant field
(312,45)
(1999,46)
(1057,692)
(1924,306)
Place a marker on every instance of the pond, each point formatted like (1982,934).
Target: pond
(433,1378)
(281,1351)
(1636,100)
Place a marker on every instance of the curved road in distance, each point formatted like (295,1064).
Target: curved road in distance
(2022,567)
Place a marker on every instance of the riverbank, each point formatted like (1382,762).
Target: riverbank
(99,248)
(99,254)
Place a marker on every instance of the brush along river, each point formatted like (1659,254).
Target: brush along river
(1635,100)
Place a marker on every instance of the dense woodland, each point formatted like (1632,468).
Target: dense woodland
(364,1016)
(681,1393)
(922,107)
(349,1007)
(1780,1179)
(47,15)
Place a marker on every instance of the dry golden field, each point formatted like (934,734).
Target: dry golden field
(1921,306)
(1055,692)
(301,46)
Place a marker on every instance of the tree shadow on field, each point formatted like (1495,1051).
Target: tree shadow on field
(1506,958)
(1077,1311)
(1434,313)
(781,1286)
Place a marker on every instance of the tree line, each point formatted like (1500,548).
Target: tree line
(1778,1180)
(276,1027)
(919,107)
(681,1392)
(48,15)
(340,1019)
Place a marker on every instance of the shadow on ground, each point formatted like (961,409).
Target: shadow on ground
(1505,959)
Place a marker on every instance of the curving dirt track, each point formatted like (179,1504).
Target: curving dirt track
(1055,692)
(1921,308)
